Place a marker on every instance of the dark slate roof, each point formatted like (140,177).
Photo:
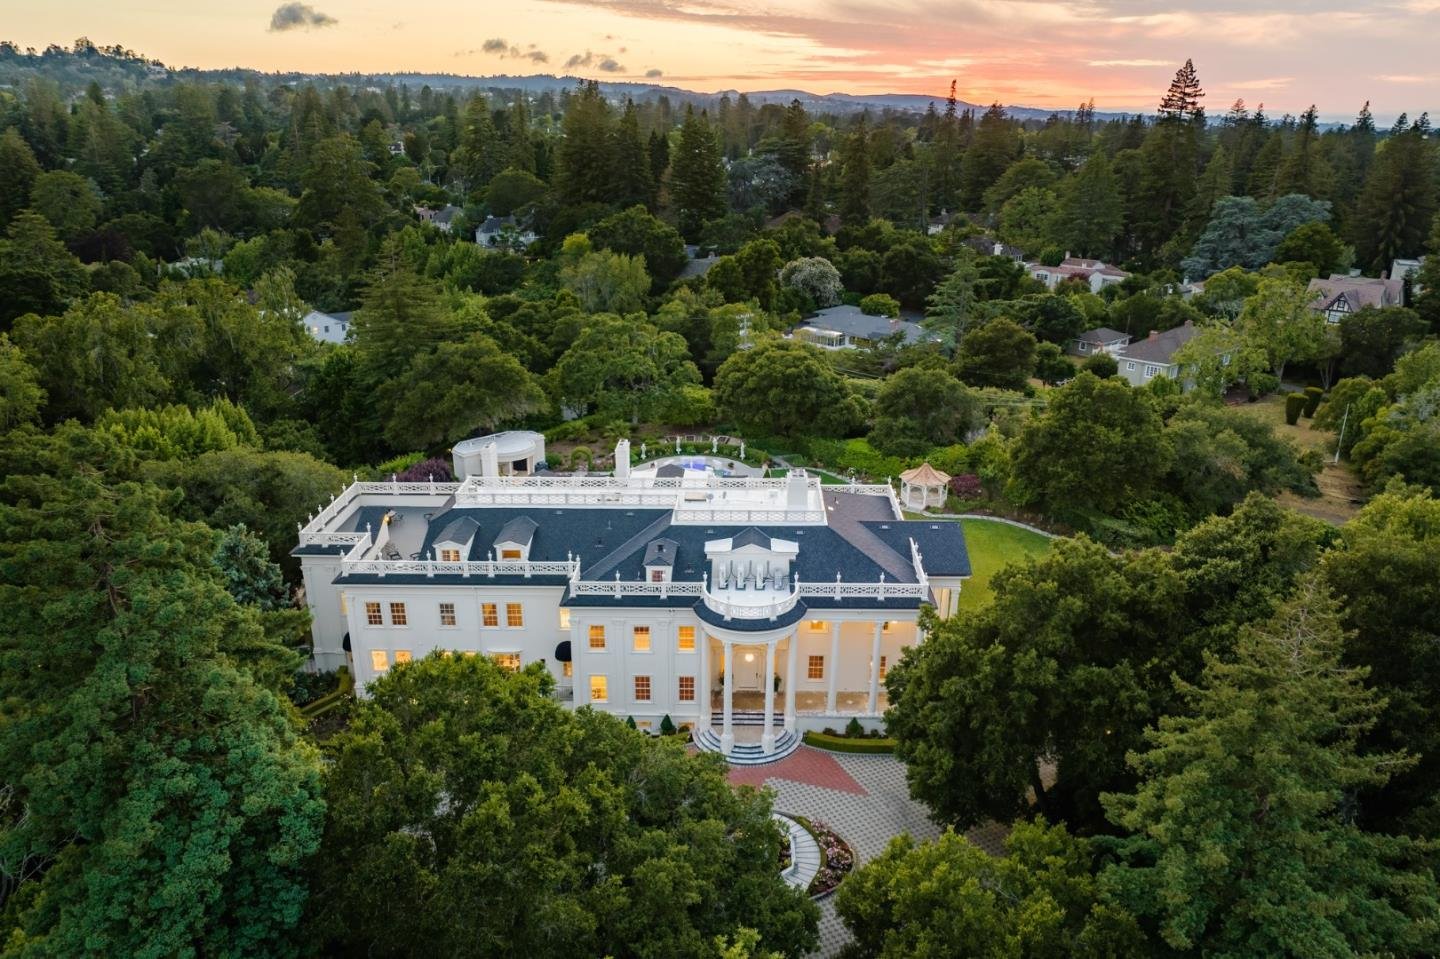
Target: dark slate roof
(789,618)
(661,552)
(750,537)
(1102,334)
(1161,347)
(852,321)
(461,529)
(520,530)
(941,544)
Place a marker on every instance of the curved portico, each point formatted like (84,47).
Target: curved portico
(740,637)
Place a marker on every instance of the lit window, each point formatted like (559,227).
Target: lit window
(687,639)
(379,661)
(372,615)
(567,670)
(882,667)
(642,639)
(687,689)
(815,668)
(597,637)
(564,619)
(818,626)
(509,554)
(599,689)
(642,689)
(449,556)
(402,655)
(489,614)
(447,614)
(508,661)
(514,615)
(397,614)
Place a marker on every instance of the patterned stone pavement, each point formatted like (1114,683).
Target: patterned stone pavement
(863,798)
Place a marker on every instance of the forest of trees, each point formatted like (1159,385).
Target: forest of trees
(1222,712)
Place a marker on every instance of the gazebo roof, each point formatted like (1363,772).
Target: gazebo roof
(925,475)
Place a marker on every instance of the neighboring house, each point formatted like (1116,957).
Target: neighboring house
(327,327)
(1340,296)
(986,246)
(644,594)
(1143,360)
(504,232)
(1099,340)
(1094,273)
(698,266)
(1406,269)
(845,327)
(938,223)
(442,219)
(397,148)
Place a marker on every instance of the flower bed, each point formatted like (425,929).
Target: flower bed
(836,857)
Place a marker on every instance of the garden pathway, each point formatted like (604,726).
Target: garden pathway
(863,798)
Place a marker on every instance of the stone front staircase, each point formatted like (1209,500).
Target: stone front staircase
(748,753)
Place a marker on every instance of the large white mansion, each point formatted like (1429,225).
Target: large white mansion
(669,589)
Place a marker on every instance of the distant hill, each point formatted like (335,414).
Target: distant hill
(116,66)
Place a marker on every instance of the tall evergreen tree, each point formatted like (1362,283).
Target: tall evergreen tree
(1091,212)
(697,176)
(855,178)
(585,156)
(996,145)
(1241,843)
(1305,169)
(1182,100)
(520,145)
(633,182)
(1393,214)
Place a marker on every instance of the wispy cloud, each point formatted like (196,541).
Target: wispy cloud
(600,61)
(299,16)
(1406,78)
(504,49)
(1129,63)
(654,72)
(1265,83)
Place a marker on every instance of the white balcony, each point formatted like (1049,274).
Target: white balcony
(751,603)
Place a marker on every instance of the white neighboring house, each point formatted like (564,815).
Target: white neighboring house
(1102,339)
(748,608)
(849,327)
(504,233)
(1340,295)
(442,219)
(328,327)
(1407,269)
(1096,274)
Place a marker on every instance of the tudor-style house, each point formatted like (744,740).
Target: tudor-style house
(749,608)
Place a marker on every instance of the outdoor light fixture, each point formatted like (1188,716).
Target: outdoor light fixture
(749,657)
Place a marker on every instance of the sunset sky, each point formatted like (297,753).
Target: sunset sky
(1286,53)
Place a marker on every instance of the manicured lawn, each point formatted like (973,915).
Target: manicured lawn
(992,545)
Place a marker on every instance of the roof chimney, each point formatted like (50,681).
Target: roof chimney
(622,461)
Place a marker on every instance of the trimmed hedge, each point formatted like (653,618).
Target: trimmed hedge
(1313,396)
(1294,404)
(846,744)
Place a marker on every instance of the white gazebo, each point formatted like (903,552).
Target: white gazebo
(922,487)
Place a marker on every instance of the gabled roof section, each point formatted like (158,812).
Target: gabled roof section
(1102,334)
(520,530)
(750,537)
(661,552)
(1160,347)
(461,529)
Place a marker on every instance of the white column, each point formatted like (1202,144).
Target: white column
(767,737)
(703,682)
(832,667)
(875,670)
(792,659)
(727,732)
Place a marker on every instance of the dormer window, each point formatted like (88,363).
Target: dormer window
(514,539)
(660,560)
(453,542)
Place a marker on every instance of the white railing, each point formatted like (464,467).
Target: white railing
(879,590)
(615,496)
(731,609)
(619,588)
(314,532)
(736,516)
(354,563)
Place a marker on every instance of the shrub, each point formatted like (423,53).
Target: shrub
(580,454)
(844,744)
(667,726)
(854,729)
(1101,364)
(1262,383)
(1313,396)
(397,465)
(966,486)
(1294,406)
(880,304)
(436,468)
(950,459)
(630,721)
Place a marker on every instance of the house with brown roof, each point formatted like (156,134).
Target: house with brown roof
(1340,296)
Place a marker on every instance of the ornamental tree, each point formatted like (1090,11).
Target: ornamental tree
(814,276)
(785,388)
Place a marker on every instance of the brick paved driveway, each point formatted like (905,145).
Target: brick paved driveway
(863,798)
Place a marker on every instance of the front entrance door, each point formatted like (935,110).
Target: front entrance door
(749,667)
